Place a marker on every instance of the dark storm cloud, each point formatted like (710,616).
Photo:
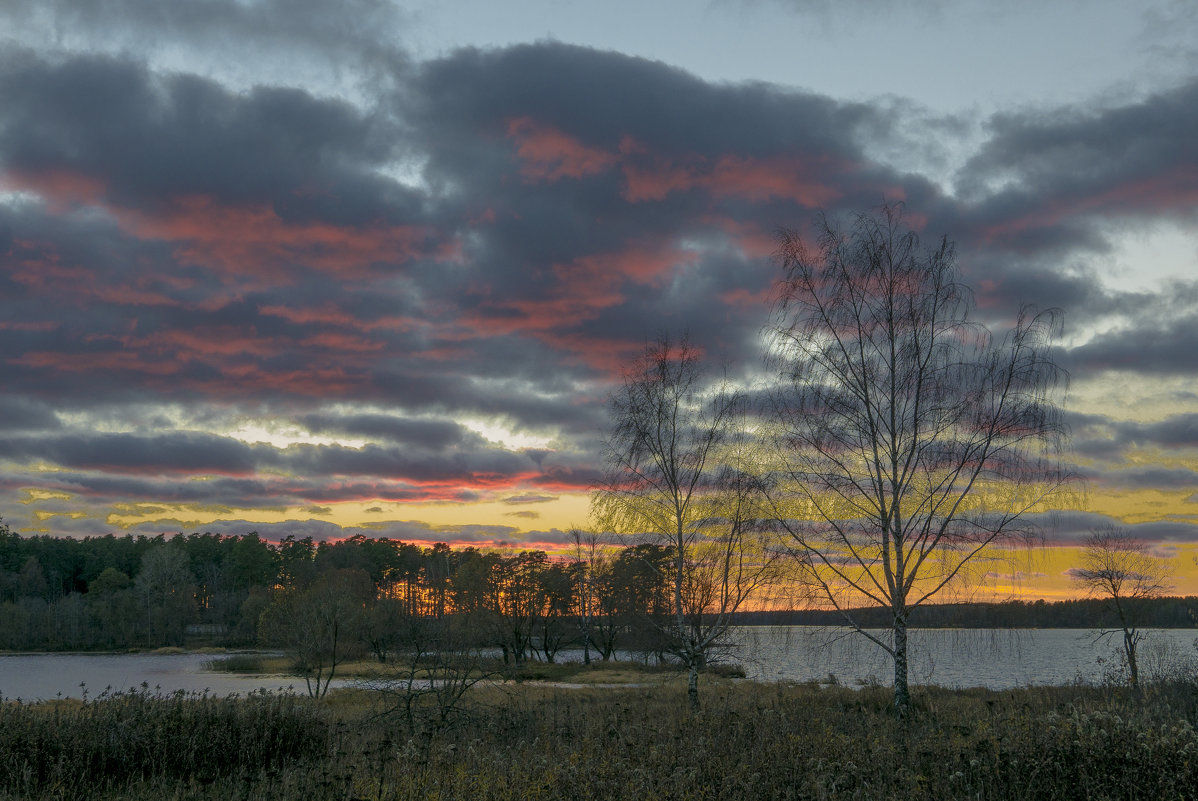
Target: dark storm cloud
(1095,435)
(22,414)
(1153,346)
(1135,478)
(173,452)
(105,126)
(186,452)
(563,265)
(1176,431)
(1054,179)
(1047,196)
(1135,160)
(490,235)
(1072,528)
(617,197)
(434,435)
(472,465)
(1153,478)
(602,98)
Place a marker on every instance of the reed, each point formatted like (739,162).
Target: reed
(524,741)
(76,750)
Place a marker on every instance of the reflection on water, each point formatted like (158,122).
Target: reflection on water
(994,658)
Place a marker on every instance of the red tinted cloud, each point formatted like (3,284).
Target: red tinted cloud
(329,315)
(754,242)
(648,265)
(313,382)
(341,343)
(608,356)
(254,238)
(729,176)
(61,189)
(40,326)
(40,266)
(745,299)
(1157,194)
(582,289)
(549,154)
(241,239)
(111,361)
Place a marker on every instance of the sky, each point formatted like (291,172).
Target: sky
(367,267)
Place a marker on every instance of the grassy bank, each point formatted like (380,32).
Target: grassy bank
(598,672)
(751,741)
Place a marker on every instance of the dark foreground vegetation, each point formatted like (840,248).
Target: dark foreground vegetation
(750,741)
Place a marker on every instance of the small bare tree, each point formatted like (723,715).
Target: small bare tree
(676,477)
(909,442)
(1118,567)
(586,558)
(319,626)
(434,669)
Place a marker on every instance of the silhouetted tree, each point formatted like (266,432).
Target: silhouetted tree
(587,560)
(908,440)
(320,626)
(1120,568)
(675,478)
(166,587)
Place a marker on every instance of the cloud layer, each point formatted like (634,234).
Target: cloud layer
(271,295)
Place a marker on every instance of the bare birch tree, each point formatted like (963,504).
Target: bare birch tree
(587,561)
(1118,567)
(909,442)
(676,477)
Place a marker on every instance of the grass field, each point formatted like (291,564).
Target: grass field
(527,741)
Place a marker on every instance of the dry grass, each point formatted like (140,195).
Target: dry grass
(527,741)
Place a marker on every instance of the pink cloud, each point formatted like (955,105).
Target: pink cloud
(731,176)
(255,239)
(549,154)
(1157,194)
(61,189)
(583,288)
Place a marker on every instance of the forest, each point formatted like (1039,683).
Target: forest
(121,592)
(148,592)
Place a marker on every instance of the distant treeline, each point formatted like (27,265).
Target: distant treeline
(1083,613)
(114,592)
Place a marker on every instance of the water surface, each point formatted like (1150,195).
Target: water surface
(46,676)
(994,658)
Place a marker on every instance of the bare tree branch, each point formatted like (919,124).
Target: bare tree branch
(909,441)
(680,474)
(1119,567)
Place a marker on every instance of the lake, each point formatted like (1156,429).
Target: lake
(46,676)
(994,658)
